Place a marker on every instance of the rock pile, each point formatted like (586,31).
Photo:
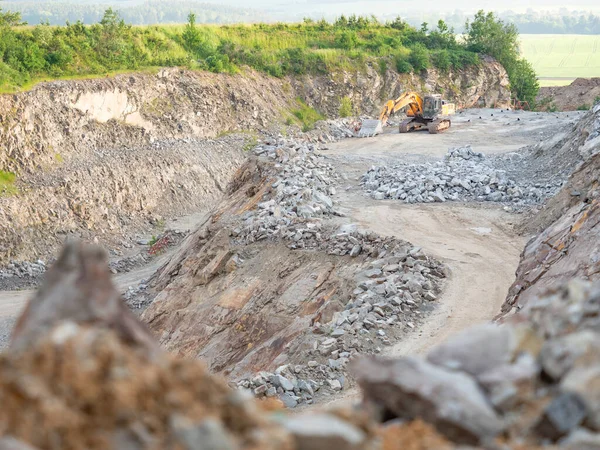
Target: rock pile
(393,286)
(21,274)
(391,294)
(463,175)
(23,269)
(532,381)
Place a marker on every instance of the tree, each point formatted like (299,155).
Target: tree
(191,35)
(419,57)
(489,35)
(523,81)
(10,19)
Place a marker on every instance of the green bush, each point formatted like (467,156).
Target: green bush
(346,40)
(584,107)
(419,57)
(306,115)
(441,60)
(7,183)
(346,108)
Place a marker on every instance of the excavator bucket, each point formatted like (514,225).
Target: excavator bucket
(370,128)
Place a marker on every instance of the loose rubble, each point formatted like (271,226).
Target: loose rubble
(20,274)
(393,287)
(531,381)
(463,175)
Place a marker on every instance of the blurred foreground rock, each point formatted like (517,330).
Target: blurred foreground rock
(83,372)
(534,381)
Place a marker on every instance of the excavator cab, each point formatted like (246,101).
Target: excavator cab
(432,106)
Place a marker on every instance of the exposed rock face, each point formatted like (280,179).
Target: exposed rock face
(569,246)
(486,85)
(102,157)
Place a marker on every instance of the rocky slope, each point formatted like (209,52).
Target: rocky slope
(90,155)
(83,372)
(581,93)
(274,282)
(569,244)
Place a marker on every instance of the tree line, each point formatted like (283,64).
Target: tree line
(28,54)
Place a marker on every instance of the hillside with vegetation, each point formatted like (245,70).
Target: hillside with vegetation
(29,54)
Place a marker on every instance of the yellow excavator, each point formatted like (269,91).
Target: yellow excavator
(429,112)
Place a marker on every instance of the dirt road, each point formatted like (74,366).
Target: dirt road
(13,302)
(477,242)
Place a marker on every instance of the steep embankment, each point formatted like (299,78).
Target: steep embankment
(581,93)
(569,244)
(102,158)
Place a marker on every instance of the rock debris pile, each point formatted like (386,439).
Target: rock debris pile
(21,274)
(394,285)
(533,380)
(391,295)
(462,175)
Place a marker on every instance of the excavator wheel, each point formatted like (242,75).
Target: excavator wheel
(438,126)
(405,126)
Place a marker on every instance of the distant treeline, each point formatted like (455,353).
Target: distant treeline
(527,23)
(30,53)
(147,13)
(165,12)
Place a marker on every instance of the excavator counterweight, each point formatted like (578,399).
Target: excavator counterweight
(429,112)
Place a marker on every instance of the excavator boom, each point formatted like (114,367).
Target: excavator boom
(410,99)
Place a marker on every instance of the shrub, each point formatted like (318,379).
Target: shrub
(7,183)
(441,60)
(419,57)
(346,108)
(584,107)
(347,40)
(306,115)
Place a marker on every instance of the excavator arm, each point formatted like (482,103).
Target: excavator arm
(410,99)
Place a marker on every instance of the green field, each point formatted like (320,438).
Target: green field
(560,58)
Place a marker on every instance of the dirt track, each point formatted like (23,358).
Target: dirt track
(478,242)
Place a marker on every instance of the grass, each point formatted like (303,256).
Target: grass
(560,58)
(7,183)
(32,54)
(307,116)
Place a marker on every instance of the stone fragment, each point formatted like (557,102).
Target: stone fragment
(282,382)
(289,400)
(208,435)
(324,432)
(412,388)
(558,356)
(335,385)
(585,381)
(565,413)
(476,350)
